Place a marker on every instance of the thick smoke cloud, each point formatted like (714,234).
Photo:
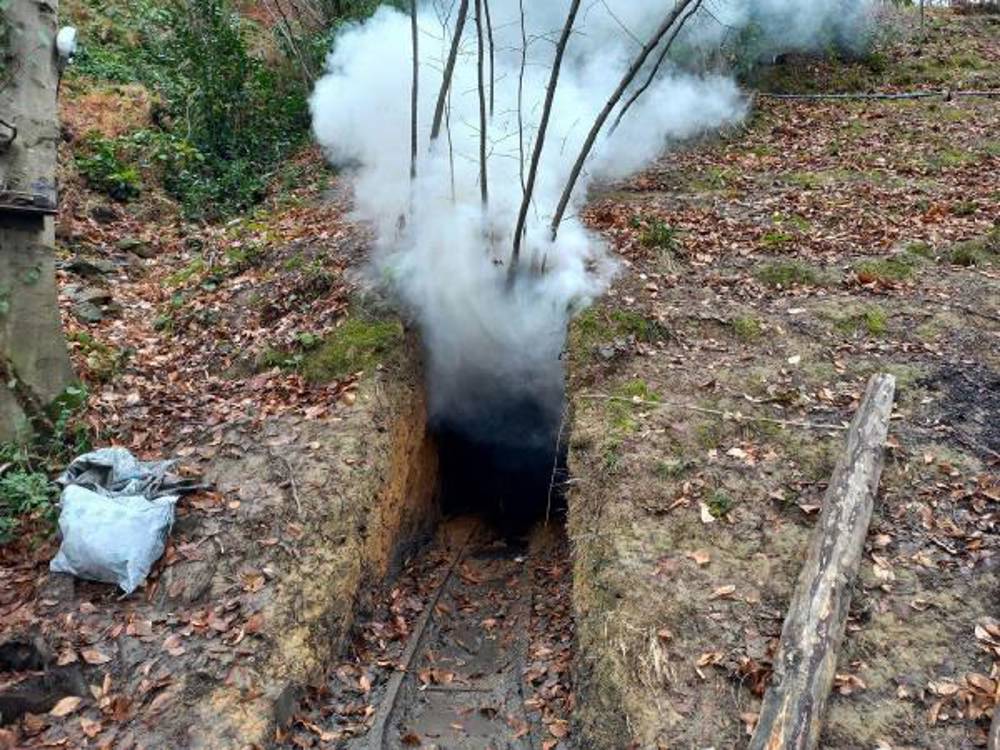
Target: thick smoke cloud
(439,251)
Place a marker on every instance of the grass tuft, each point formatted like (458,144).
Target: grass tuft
(787,274)
(901,268)
(747,327)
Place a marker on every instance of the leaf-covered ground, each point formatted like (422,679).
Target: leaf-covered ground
(765,276)
(244,350)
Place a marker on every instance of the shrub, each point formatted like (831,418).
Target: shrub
(24,496)
(103,166)
(233,107)
(658,234)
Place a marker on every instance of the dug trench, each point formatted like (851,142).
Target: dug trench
(291,598)
(466,642)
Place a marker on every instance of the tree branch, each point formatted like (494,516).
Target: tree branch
(656,67)
(489,35)
(481,87)
(630,74)
(449,70)
(536,155)
(414,89)
(520,96)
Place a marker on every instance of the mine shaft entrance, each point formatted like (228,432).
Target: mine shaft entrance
(504,460)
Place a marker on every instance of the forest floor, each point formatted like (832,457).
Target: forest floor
(765,275)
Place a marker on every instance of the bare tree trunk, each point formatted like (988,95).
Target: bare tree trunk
(480,64)
(284,24)
(656,67)
(449,70)
(34,365)
(520,97)
(414,89)
(993,739)
(792,713)
(489,35)
(451,148)
(536,155)
(630,74)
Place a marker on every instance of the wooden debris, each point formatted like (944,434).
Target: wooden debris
(804,669)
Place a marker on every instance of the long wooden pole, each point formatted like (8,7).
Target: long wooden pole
(792,712)
(993,739)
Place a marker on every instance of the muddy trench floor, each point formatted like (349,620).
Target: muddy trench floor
(469,648)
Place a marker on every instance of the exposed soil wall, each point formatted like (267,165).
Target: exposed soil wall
(365,481)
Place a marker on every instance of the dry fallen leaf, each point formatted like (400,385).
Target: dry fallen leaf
(93,656)
(700,556)
(66,656)
(66,706)
(723,592)
(172,645)
(90,727)
(981,682)
(709,657)
(139,628)
(559,728)
(943,687)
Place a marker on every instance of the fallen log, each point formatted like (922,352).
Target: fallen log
(792,712)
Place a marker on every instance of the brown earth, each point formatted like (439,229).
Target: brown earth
(258,587)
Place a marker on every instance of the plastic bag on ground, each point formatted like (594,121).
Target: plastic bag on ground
(115,517)
(112,539)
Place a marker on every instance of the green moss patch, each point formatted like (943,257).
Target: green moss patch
(882,270)
(747,327)
(357,345)
(788,273)
(872,320)
(976,252)
(597,326)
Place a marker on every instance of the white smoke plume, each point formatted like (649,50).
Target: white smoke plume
(440,251)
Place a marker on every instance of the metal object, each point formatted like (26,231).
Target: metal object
(13,202)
